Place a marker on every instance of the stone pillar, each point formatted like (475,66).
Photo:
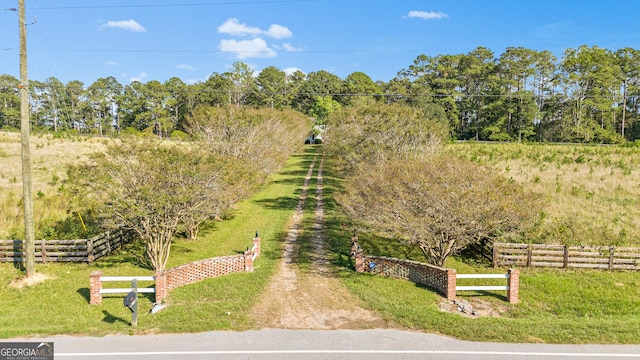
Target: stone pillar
(514,286)
(451,284)
(95,287)
(161,287)
(256,243)
(356,254)
(248,261)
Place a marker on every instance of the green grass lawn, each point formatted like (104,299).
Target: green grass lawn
(556,306)
(61,305)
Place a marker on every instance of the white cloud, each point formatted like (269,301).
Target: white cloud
(185,67)
(243,49)
(111,63)
(278,32)
(290,48)
(235,28)
(140,77)
(130,25)
(290,70)
(426,15)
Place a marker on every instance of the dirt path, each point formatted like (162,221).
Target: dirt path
(315,300)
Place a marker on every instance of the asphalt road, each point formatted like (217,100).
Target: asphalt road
(312,344)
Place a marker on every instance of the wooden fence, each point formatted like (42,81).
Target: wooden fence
(81,250)
(562,256)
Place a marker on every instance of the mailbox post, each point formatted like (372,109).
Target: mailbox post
(131,301)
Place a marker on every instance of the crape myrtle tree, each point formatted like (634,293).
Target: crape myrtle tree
(398,186)
(155,188)
(441,205)
(262,138)
(370,133)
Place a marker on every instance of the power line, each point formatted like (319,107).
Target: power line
(173,5)
(203,51)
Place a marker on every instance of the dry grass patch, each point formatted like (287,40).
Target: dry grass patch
(590,191)
(23,282)
(50,157)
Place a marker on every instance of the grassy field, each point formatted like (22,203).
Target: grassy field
(590,192)
(50,157)
(556,306)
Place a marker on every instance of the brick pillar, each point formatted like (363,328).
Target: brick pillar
(356,253)
(256,243)
(248,261)
(95,287)
(161,287)
(514,286)
(451,284)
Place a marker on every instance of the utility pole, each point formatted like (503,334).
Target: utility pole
(29,232)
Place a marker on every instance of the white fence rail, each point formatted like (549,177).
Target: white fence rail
(482,287)
(126,278)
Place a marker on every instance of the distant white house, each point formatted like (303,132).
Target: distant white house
(314,139)
(316,136)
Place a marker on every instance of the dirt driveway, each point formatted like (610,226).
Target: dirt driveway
(315,299)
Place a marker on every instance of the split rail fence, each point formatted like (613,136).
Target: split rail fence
(562,256)
(81,250)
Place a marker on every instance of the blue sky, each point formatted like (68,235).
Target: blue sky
(158,39)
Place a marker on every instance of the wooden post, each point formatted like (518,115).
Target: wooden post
(495,255)
(25,130)
(90,254)
(134,311)
(612,250)
(565,258)
(529,254)
(43,250)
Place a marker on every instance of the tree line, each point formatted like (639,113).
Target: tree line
(589,95)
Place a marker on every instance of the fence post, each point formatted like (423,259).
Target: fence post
(450,290)
(529,254)
(256,243)
(43,250)
(565,258)
(514,286)
(248,260)
(356,254)
(90,255)
(95,286)
(161,286)
(495,255)
(612,250)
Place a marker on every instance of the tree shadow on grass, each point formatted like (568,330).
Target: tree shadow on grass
(133,253)
(279,203)
(85,293)
(112,319)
